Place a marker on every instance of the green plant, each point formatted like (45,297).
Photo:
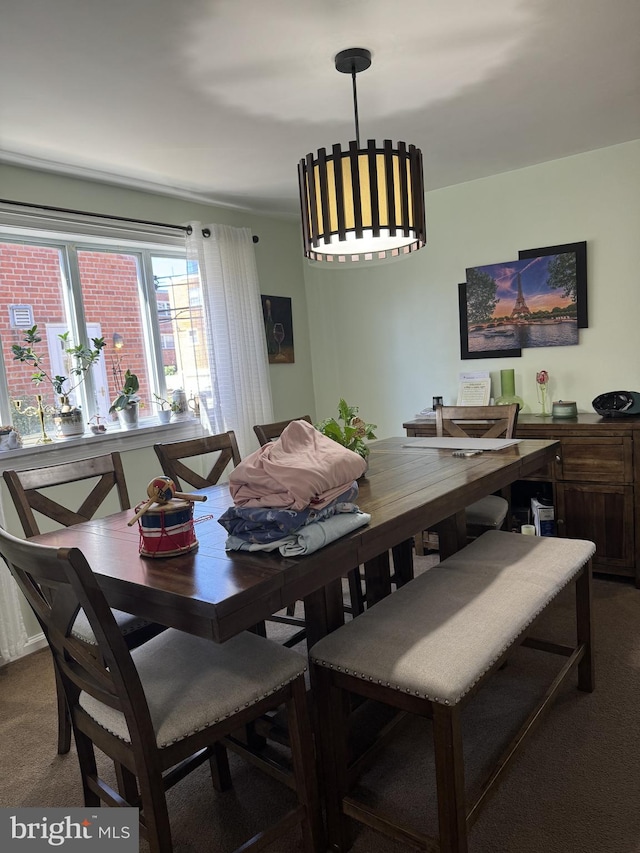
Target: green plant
(128,394)
(82,359)
(352,432)
(167,404)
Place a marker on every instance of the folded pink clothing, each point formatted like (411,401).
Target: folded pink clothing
(302,468)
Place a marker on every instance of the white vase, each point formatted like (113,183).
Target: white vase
(128,417)
(164,416)
(68,420)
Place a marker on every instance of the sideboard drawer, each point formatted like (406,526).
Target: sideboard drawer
(596,460)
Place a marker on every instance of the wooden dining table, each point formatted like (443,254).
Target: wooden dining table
(216,594)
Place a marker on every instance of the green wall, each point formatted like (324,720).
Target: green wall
(387,338)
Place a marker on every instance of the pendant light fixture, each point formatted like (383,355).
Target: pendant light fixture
(361,204)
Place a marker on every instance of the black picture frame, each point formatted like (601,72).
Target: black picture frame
(580,251)
(276,310)
(465,353)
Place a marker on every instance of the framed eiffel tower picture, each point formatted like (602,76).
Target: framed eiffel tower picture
(537,301)
(568,265)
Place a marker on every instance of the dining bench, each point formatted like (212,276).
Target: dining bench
(427,649)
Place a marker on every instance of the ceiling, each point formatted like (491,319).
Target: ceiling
(217,100)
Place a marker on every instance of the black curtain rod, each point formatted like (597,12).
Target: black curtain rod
(186,228)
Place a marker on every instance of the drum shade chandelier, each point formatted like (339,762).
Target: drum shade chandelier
(361,204)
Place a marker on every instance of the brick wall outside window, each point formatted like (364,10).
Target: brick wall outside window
(32,275)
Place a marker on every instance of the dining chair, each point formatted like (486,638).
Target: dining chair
(270,432)
(488,513)
(163,709)
(225,447)
(31,493)
(172,454)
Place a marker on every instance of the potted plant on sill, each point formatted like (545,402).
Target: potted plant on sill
(167,407)
(352,432)
(126,403)
(68,418)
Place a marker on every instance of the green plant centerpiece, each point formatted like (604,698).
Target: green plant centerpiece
(126,403)
(81,358)
(352,432)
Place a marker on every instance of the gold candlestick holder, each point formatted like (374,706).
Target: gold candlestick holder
(44,439)
(38,410)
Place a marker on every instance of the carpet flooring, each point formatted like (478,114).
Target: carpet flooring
(574,788)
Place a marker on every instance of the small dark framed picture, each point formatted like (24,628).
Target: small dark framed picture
(278,329)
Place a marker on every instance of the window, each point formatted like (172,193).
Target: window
(181,322)
(137,298)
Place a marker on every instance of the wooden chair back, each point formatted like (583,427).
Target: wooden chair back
(268,432)
(171,458)
(58,583)
(29,490)
(488,421)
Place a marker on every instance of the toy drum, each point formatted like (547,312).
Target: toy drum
(167,529)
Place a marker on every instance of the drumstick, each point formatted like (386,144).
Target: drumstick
(141,511)
(186,497)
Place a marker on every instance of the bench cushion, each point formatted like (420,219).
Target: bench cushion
(437,635)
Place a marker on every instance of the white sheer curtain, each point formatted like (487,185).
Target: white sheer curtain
(238,359)
(13,634)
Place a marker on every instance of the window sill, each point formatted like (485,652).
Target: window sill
(72,449)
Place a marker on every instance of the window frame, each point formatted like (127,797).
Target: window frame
(69,244)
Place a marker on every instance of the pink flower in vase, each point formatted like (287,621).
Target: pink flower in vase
(542,380)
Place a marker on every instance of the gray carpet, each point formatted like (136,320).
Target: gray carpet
(574,789)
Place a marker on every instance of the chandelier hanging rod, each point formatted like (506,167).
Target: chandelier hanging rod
(352,61)
(355,106)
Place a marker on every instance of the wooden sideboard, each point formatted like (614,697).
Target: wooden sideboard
(595,482)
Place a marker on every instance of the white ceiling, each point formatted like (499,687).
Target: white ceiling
(217,100)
